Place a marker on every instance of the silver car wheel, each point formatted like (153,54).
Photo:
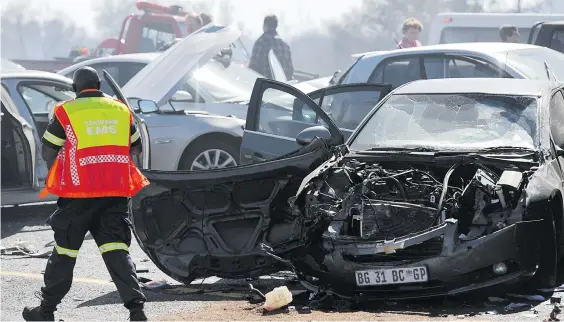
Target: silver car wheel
(213,159)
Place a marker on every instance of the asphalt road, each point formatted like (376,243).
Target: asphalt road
(94,297)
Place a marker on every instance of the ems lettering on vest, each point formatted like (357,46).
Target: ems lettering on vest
(98,127)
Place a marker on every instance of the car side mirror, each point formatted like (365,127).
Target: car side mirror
(182,97)
(306,136)
(147,106)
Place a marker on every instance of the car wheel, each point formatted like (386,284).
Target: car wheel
(547,273)
(209,155)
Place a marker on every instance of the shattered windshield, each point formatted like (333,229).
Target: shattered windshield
(451,122)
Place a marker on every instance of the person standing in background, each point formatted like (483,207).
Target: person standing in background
(193,22)
(205,18)
(267,41)
(411,29)
(509,34)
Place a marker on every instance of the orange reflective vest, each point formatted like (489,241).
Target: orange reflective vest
(95,160)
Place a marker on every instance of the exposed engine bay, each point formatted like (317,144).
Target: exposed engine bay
(384,202)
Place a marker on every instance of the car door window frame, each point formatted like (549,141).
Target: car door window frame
(447,57)
(555,122)
(389,60)
(555,31)
(262,84)
(356,87)
(42,83)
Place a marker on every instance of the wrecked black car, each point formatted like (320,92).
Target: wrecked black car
(445,187)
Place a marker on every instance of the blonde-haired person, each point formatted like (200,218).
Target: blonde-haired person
(411,29)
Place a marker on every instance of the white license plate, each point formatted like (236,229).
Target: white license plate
(392,276)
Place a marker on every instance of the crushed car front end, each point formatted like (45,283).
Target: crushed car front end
(400,230)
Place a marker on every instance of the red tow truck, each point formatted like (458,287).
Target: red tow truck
(140,32)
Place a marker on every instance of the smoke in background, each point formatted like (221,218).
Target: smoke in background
(373,25)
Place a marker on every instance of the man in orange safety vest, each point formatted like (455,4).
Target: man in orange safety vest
(88,146)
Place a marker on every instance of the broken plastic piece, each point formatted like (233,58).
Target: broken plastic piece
(539,298)
(277,298)
(494,299)
(550,290)
(257,291)
(514,306)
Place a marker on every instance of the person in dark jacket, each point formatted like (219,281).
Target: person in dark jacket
(267,41)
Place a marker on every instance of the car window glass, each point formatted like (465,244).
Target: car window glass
(557,41)
(434,67)
(127,71)
(154,36)
(239,52)
(284,115)
(460,68)
(557,118)
(360,71)
(397,72)
(41,99)
(347,109)
(113,70)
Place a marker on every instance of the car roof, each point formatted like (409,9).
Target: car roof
(557,22)
(498,86)
(137,58)
(481,47)
(34,74)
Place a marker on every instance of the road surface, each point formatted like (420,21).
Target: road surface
(94,297)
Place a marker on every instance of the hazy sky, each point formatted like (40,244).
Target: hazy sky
(304,14)
(300,14)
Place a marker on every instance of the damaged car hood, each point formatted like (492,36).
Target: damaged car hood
(163,77)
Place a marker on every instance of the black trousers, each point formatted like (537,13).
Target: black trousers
(108,223)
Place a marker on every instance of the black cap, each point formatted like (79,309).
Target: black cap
(85,78)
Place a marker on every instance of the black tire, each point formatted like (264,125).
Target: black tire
(547,273)
(195,149)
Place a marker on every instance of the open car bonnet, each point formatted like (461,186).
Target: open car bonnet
(160,79)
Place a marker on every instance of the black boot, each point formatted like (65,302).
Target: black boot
(137,314)
(37,314)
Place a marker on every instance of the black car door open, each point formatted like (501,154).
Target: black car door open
(278,112)
(194,224)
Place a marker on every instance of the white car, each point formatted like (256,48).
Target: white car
(463,60)
(218,87)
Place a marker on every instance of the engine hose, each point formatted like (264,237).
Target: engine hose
(396,181)
(445,188)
